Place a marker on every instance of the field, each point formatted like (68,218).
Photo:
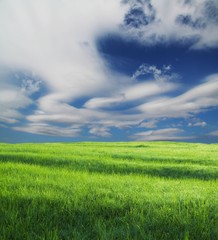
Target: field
(150,190)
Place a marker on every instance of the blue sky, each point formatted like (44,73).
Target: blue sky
(130,70)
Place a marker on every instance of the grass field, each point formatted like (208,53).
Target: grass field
(151,190)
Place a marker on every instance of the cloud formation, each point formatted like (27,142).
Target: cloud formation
(197,124)
(195,100)
(70,83)
(100,131)
(46,129)
(194,22)
(160,134)
(12,99)
(213,134)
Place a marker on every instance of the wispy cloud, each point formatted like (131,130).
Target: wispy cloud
(195,100)
(213,134)
(11,100)
(160,134)
(149,124)
(155,82)
(46,129)
(56,40)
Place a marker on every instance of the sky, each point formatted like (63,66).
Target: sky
(118,70)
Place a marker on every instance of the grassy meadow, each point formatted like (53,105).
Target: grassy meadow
(150,190)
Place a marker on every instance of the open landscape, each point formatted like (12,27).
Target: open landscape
(150,190)
(108,120)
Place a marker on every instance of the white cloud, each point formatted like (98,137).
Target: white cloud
(149,124)
(147,89)
(57,41)
(30,86)
(194,22)
(158,82)
(159,75)
(135,92)
(11,100)
(9,119)
(197,124)
(100,131)
(195,100)
(213,134)
(45,129)
(160,134)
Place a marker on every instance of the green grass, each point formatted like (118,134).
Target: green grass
(159,190)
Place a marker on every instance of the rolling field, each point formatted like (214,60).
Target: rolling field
(151,190)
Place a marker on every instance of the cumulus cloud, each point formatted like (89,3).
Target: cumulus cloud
(159,75)
(160,134)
